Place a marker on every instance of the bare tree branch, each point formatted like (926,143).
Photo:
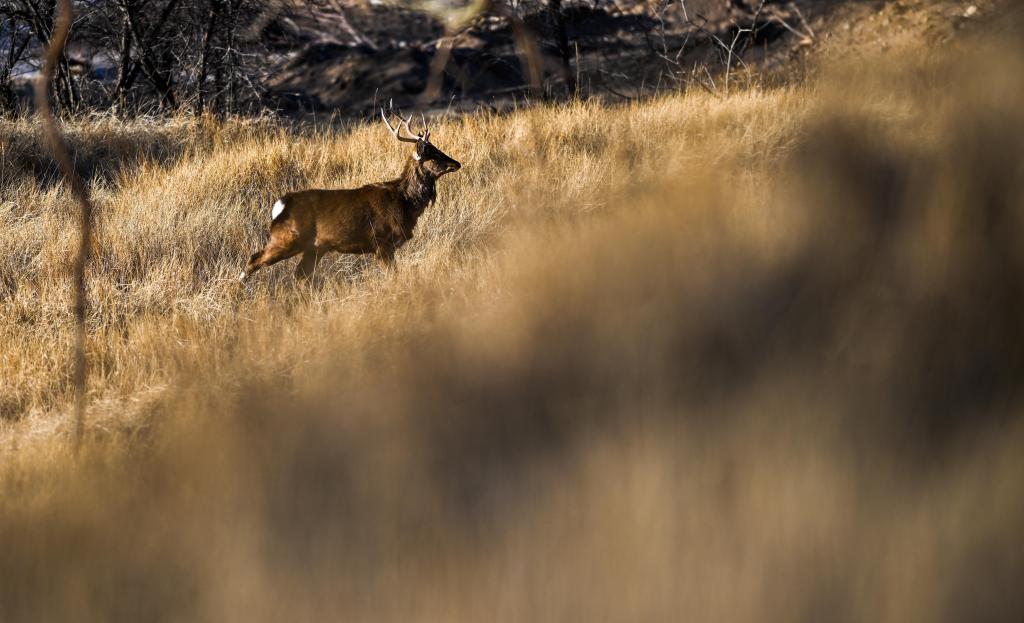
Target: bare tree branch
(55,141)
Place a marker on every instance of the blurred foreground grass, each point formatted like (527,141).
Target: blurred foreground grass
(724,359)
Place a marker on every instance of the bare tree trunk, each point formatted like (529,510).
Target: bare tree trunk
(561,36)
(8,98)
(204,62)
(54,52)
(40,16)
(71,85)
(125,72)
(164,85)
(229,58)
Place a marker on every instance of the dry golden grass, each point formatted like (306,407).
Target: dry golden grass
(720,359)
(172,231)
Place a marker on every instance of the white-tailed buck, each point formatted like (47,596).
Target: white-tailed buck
(376,218)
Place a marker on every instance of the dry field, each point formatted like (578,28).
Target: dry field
(752,357)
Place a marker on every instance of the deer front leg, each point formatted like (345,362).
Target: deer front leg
(307,265)
(386,256)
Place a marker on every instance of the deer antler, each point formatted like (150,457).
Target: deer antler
(426,128)
(397,131)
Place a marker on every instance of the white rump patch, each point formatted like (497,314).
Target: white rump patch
(277,209)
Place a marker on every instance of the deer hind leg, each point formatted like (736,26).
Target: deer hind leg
(274,252)
(251,266)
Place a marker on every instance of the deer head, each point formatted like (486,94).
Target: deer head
(428,157)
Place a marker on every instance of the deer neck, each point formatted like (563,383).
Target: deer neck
(417,186)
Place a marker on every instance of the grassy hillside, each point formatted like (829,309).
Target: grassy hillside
(737,358)
(182,206)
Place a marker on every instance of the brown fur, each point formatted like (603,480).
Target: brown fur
(376,218)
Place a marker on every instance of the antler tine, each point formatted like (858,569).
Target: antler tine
(405,122)
(426,128)
(385,118)
(396,131)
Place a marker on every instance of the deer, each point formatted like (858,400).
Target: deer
(375,218)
